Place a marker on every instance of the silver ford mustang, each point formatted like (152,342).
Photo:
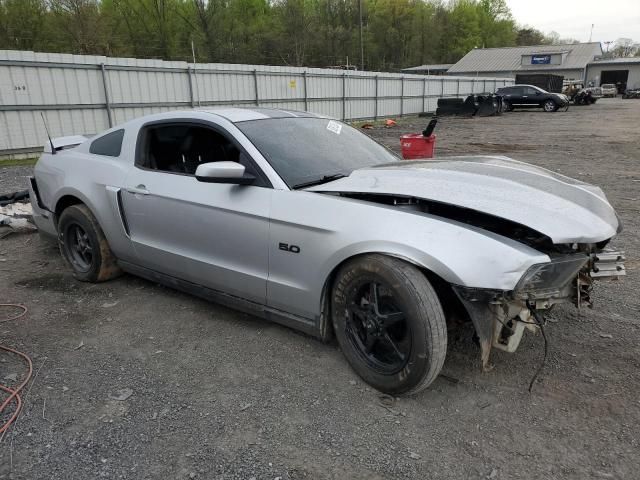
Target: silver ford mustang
(305,221)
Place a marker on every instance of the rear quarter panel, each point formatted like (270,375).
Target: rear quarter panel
(93,179)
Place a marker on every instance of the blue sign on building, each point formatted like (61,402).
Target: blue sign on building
(540,59)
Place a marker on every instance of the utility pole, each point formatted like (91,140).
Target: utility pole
(591,33)
(361,44)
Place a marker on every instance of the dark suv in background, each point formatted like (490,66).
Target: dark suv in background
(530,96)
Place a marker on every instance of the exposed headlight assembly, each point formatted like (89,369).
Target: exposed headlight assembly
(551,276)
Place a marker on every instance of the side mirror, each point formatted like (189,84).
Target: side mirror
(224,172)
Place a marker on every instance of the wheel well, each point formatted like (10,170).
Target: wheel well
(65,202)
(454,310)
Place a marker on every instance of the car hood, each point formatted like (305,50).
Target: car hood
(564,209)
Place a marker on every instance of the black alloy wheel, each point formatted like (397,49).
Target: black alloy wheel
(377,327)
(78,247)
(389,323)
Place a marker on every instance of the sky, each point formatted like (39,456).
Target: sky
(612,19)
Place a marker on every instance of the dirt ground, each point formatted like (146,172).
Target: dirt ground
(222,395)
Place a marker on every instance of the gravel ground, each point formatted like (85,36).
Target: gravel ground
(215,394)
(13,179)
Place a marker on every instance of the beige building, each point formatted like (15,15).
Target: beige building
(569,60)
(622,72)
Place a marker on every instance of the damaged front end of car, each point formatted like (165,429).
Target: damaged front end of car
(500,318)
(564,225)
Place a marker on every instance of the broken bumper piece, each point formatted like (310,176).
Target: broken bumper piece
(501,317)
(608,264)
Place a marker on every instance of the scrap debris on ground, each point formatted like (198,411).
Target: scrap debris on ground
(15,214)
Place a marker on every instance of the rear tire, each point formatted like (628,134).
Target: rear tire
(396,342)
(84,246)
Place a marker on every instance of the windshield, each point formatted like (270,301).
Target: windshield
(307,150)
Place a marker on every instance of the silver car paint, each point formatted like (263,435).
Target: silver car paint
(211,234)
(564,209)
(228,237)
(330,229)
(224,169)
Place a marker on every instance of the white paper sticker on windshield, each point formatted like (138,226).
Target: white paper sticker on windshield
(334,127)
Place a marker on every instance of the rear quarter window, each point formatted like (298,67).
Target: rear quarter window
(109,145)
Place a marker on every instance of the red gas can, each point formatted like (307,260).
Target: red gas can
(416,145)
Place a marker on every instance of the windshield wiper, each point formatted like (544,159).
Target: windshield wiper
(320,181)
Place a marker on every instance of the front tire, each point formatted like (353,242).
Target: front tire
(389,323)
(84,246)
(550,106)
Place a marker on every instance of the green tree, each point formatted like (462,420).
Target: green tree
(529,36)
(78,25)
(396,33)
(21,24)
(150,28)
(462,30)
(497,28)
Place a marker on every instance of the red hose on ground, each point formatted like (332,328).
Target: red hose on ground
(18,315)
(14,393)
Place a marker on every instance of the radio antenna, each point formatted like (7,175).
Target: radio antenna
(46,128)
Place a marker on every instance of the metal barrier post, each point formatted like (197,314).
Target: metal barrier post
(189,74)
(306,96)
(106,94)
(424,95)
(255,85)
(375,110)
(402,95)
(344,96)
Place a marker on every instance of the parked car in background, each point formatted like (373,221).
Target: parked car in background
(609,90)
(337,237)
(631,93)
(596,92)
(530,96)
(578,95)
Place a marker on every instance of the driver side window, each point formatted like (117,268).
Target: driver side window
(181,148)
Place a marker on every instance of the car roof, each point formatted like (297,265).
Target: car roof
(231,114)
(235,115)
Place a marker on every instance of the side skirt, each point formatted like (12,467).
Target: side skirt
(310,327)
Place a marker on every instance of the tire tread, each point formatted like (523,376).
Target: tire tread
(428,305)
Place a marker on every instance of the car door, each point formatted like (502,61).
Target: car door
(530,97)
(211,234)
(513,95)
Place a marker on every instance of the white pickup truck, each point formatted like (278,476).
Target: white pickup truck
(609,90)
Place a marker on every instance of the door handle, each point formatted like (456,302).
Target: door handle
(139,190)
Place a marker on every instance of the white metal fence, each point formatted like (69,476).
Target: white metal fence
(87,94)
